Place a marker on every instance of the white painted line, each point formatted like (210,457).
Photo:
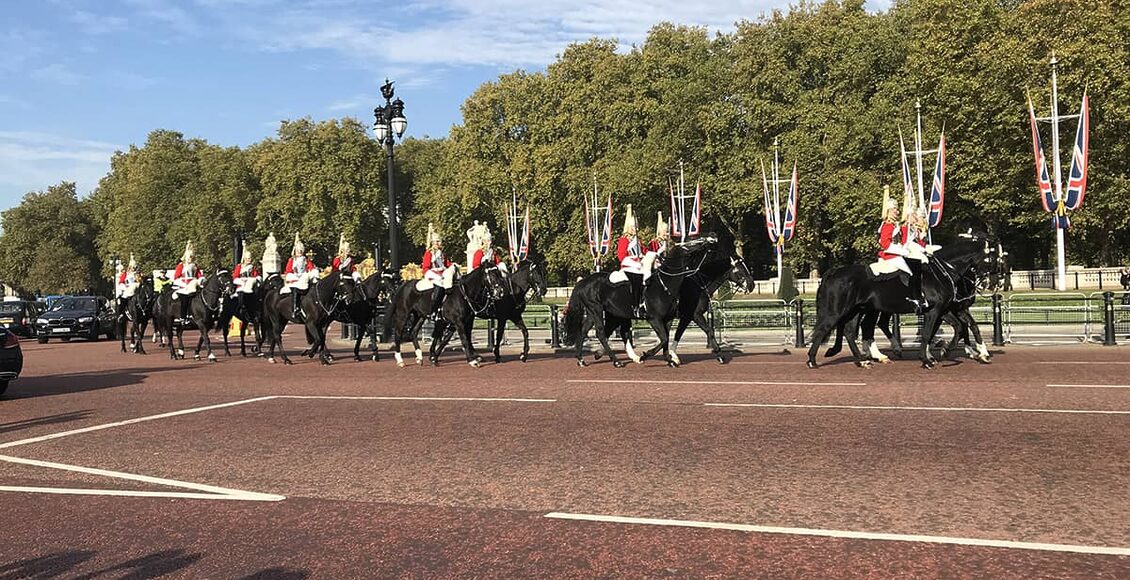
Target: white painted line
(942,409)
(128,493)
(770,383)
(1082,362)
(208,489)
(359,398)
(847,534)
(129,422)
(1089,386)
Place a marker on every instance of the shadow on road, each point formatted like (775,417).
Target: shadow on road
(68,564)
(46,420)
(42,386)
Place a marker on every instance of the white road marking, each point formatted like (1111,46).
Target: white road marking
(1082,362)
(848,534)
(127,493)
(363,398)
(129,422)
(942,409)
(769,383)
(1089,386)
(209,490)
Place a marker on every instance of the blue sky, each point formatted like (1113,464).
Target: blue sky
(80,79)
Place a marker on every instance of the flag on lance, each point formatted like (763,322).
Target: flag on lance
(770,218)
(908,196)
(676,215)
(590,229)
(789,225)
(524,245)
(1077,178)
(1043,180)
(693,225)
(938,190)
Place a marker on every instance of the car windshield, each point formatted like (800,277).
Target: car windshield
(74,304)
(11,308)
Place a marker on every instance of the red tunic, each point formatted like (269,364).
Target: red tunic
(622,248)
(180,272)
(122,278)
(477,260)
(886,237)
(654,246)
(310,267)
(337,265)
(427,262)
(905,236)
(238,272)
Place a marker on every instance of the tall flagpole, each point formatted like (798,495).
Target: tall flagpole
(777,203)
(1061,267)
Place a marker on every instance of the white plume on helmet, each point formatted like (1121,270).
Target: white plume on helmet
(299,248)
(629,220)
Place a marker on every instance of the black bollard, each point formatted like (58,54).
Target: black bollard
(998,321)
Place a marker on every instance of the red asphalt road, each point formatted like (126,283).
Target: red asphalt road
(379,488)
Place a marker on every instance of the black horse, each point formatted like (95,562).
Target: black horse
(206,311)
(137,312)
(601,305)
(405,316)
(460,309)
(694,299)
(984,276)
(247,307)
(371,296)
(319,305)
(849,291)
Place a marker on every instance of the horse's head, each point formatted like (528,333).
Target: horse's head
(739,274)
(539,279)
(345,289)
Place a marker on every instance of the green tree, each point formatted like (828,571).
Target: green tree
(48,243)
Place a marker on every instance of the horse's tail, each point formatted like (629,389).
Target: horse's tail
(389,316)
(574,317)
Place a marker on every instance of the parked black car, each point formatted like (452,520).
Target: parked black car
(11,358)
(19,316)
(86,317)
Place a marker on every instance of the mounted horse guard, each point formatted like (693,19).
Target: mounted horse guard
(300,272)
(631,257)
(186,280)
(439,272)
(245,274)
(127,284)
(343,261)
(485,253)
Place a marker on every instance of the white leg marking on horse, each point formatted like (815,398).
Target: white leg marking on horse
(982,349)
(675,352)
(632,352)
(873,350)
(399,359)
(419,356)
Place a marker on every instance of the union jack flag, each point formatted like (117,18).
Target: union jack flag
(606,235)
(907,183)
(789,226)
(770,219)
(1077,179)
(696,210)
(938,191)
(1047,196)
(524,246)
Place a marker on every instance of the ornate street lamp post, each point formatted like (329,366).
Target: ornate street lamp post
(389,126)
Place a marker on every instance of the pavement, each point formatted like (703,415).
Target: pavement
(119,465)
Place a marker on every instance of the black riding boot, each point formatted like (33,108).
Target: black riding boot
(917,296)
(636,281)
(296,303)
(438,293)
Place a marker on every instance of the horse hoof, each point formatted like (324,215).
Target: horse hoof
(211,358)
(400,363)
(420,362)
(811,364)
(672,364)
(928,365)
(984,360)
(596,356)
(272,360)
(195,357)
(474,362)
(581,363)
(618,364)
(497,360)
(288,362)
(523,357)
(864,364)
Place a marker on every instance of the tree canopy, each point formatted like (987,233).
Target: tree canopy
(831,82)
